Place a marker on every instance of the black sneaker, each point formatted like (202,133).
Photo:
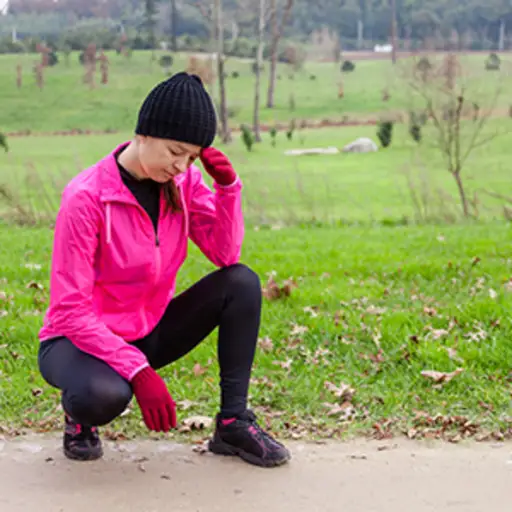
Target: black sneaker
(81,442)
(245,438)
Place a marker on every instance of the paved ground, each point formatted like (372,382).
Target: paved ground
(352,477)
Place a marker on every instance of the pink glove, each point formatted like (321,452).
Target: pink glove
(218,166)
(156,404)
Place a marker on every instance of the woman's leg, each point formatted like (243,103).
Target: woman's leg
(93,394)
(229,298)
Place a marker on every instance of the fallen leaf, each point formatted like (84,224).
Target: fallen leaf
(437,334)
(198,370)
(430,311)
(272,291)
(492,294)
(141,468)
(198,422)
(344,392)
(184,405)
(285,365)
(33,266)
(3,313)
(311,310)
(266,344)
(374,310)
(358,457)
(441,377)
(165,477)
(3,296)
(35,286)
(201,448)
(37,392)
(298,329)
(452,354)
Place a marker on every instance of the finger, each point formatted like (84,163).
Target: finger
(164,419)
(148,420)
(172,415)
(156,420)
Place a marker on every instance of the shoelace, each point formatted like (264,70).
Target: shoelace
(251,417)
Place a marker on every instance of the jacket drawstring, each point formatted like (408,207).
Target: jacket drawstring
(108,222)
(185,211)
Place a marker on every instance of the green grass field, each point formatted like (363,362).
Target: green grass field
(381,297)
(67,104)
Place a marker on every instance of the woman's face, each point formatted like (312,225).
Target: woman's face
(162,159)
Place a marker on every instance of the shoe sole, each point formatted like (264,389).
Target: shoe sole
(228,450)
(84,457)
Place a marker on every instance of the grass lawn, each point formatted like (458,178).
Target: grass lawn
(66,103)
(373,309)
(344,188)
(374,306)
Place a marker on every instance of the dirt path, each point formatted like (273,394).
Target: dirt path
(352,477)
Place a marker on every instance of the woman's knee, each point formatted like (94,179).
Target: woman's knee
(240,277)
(99,401)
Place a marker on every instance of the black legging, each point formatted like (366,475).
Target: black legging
(230,298)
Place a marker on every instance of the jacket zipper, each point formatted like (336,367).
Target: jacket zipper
(158,258)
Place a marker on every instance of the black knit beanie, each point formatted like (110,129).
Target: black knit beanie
(181,109)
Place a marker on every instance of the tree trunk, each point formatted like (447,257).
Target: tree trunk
(273,54)
(462,193)
(393,30)
(360,34)
(225,132)
(259,60)
(501,44)
(174,29)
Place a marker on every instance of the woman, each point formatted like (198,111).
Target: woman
(120,238)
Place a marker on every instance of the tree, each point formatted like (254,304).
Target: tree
(459,122)
(277,33)
(150,21)
(257,70)
(174,23)
(219,33)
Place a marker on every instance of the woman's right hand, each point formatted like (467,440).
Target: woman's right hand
(156,404)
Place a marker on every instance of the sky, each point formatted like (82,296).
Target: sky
(3,3)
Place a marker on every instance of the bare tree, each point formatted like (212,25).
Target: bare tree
(174,26)
(393,31)
(224,121)
(457,114)
(277,32)
(257,70)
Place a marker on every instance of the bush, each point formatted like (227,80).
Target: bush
(273,136)
(235,74)
(8,46)
(254,67)
(493,62)
(385,133)
(53,59)
(166,62)
(415,131)
(348,66)
(3,142)
(247,137)
(424,64)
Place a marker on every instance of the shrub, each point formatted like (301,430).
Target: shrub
(291,130)
(254,67)
(8,46)
(348,66)
(3,142)
(53,59)
(493,62)
(235,74)
(424,64)
(273,136)
(166,62)
(415,131)
(385,133)
(247,137)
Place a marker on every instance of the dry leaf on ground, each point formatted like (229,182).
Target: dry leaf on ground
(198,370)
(266,344)
(198,422)
(441,377)
(344,392)
(272,291)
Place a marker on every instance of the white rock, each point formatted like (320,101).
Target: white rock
(361,145)
(312,151)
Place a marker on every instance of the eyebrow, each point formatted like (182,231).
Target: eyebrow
(182,148)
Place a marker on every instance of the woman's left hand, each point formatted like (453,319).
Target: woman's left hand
(218,166)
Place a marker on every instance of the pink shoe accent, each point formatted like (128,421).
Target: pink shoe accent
(228,421)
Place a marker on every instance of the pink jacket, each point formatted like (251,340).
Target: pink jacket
(111,277)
